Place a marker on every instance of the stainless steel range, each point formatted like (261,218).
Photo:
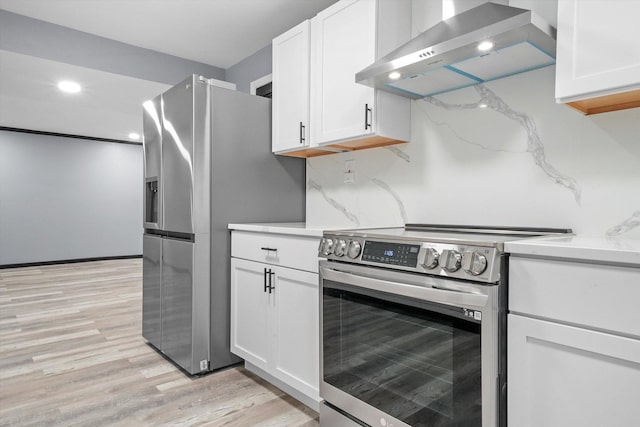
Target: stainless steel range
(413,325)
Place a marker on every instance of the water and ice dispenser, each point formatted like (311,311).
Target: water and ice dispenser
(152,198)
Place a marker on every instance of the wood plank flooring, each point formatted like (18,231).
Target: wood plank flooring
(72,354)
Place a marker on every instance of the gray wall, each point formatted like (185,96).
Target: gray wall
(250,69)
(42,39)
(65,198)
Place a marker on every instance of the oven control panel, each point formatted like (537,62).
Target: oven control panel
(443,259)
(391,253)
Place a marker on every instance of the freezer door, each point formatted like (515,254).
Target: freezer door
(178,155)
(152,144)
(151,295)
(177,302)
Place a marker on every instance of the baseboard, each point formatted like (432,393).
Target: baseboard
(67,261)
(310,402)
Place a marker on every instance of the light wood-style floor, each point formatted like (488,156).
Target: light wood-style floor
(72,354)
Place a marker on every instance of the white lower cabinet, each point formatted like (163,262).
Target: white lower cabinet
(250,313)
(275,324)
(560,376)
(573,347)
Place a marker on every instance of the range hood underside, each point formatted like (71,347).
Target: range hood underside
(497,64)
(521,42)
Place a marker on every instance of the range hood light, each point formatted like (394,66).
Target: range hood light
(394,75)
(484,46)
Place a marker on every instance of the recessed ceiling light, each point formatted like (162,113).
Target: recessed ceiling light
(486,45)
(134,136)
(394,75)
(483,105)
(69,86)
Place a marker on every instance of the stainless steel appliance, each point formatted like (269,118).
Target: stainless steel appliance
(207,162)
(413,326)
(485,43)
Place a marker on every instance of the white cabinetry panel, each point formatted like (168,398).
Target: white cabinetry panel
(274,309)
(343,38)
(296,326)
(249,313)
(598,52)
(560,375)
(291,89)
(596,296)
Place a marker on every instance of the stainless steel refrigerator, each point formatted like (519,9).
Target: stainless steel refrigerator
(207,163)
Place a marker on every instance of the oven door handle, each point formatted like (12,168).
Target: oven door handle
(432,292)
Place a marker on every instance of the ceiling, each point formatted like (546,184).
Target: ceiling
(215,32)
(109,106)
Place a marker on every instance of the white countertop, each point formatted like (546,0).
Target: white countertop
(291,228)
(618,250)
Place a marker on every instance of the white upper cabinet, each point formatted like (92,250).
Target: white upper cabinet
(345,38)
(344,43)
(291,89)
(598,55)
(318,108)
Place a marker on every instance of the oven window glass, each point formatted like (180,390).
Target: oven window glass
(419,365)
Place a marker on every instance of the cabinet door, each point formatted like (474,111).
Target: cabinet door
(566,376)
(343,43)
(250,312)
(291,88)
(598,51)
(296,329)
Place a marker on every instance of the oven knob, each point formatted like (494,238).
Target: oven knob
(326,246)
(431,258)
(354,249)
(340,248)
(473,262)
(450,260)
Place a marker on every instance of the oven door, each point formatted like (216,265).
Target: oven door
(401,349)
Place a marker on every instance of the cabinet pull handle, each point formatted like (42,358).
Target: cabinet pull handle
(302,138)
(269,249)
(271,284)
(367,110)
(264,276)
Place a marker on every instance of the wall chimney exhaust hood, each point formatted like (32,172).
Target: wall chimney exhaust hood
(485,43)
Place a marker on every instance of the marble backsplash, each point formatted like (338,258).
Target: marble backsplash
(500,153)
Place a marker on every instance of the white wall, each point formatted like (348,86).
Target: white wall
(522,161)
(66,198)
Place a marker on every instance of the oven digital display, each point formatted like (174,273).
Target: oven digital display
(391,253)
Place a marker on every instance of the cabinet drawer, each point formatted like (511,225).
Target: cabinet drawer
(288,251)
(598,296)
